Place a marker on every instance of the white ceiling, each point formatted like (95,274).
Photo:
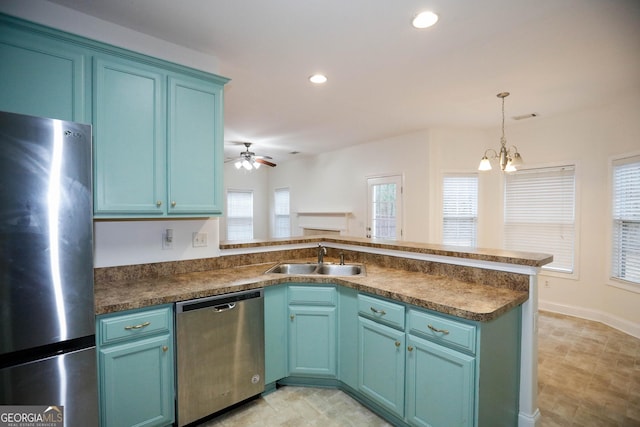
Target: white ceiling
(385,77)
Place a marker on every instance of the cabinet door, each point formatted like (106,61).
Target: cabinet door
(136,383)
(312,341)
(129,138)
(195,147)
(41,76)
(440,385)
(275,333)
(381,364)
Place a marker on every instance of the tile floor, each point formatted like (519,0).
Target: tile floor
(589,375)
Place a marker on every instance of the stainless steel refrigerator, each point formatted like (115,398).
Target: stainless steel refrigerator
(47,323)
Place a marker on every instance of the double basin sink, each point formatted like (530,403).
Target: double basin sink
(326,269)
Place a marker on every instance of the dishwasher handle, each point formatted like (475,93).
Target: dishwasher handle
(224,307)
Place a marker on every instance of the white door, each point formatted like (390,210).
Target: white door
(384,209)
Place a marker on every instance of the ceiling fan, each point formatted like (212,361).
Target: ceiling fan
(249,160)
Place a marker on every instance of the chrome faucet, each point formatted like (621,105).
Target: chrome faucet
(322,251)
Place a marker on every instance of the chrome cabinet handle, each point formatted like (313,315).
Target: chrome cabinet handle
(140,326)
(398,343)
(292,317)
(165,348)
(376,311)
(410,348)
(158,203)
(173,204)
(442,331)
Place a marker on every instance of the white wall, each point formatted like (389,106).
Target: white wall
(337,181)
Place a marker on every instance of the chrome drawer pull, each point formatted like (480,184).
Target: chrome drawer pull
(376,311)
(443,331)
(140,326)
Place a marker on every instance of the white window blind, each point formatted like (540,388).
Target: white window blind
(459,210)
(282,220)
(239,215)
(626,220)
(539,214)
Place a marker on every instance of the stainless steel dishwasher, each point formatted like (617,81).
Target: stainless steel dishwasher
(220,352)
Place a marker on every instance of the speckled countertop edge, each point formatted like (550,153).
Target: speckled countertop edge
(439,293)
(482,254)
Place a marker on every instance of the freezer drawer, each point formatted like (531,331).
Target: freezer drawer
(220,353)
(68,380)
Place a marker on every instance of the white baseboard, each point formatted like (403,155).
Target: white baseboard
(608,319)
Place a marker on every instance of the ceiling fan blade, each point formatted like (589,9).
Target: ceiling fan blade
(232,159)
(263,157)
(265,162)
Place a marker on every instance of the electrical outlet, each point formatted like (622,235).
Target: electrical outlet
(199,240)
(547,284)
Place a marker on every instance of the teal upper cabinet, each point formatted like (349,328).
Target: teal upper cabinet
(42,76)
(158,142)
(194,146)
(157,126)
(129,138)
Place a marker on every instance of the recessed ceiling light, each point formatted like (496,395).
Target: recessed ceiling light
(425,19)
(318,79)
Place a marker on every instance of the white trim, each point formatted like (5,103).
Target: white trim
(608,319)
(529,414)
(262,249)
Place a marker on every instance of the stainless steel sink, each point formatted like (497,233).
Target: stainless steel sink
(293,268)
(325,269)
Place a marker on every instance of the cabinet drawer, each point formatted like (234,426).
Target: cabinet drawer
(382,311)
(313,295)
(439,329)
(121,327)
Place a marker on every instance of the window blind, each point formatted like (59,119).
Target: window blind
(459,210)
(539,214)
(282,220)
(625,252)
(239,215)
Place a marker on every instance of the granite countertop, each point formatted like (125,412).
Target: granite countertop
(439,293)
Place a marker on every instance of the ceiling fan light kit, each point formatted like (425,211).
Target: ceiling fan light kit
(508,158)
(249,161)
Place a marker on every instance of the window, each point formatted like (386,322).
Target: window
(625,254)
(539,214)
(459,210)
(282,221)
(239,215)
(385,204)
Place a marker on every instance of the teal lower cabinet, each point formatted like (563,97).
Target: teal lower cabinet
(440,385)
(312,331)
(136,367)
(412,366)
(381,367)
(275,334)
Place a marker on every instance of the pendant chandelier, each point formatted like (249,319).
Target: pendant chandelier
(508,158)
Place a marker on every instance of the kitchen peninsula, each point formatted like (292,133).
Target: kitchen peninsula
(474,285)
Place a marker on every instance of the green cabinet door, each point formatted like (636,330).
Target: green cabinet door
(195,152)
(42,76)
(129,138)
(312,341)
(381,366)
(275,333)
(440,385)
(136,385)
